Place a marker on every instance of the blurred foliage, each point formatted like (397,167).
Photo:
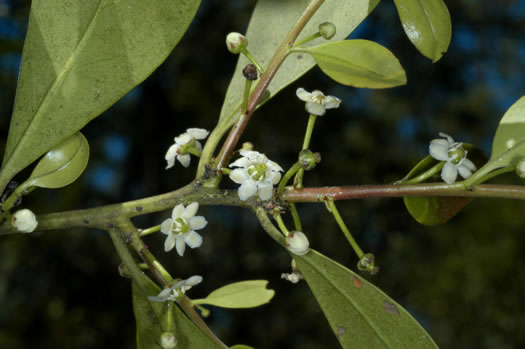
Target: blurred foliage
(462,280)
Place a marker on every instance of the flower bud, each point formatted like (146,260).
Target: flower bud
(247,146)
(308,159)
(367,263)
(297,243)
(327,30)
(236,42)
(520,168)
(24,221)
(168,340)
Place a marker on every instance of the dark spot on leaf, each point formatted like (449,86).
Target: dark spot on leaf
(138,208)
(390,308)
(86,221)
(357,282)
(300,57)
(340,331)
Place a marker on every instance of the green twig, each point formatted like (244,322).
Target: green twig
(344,228)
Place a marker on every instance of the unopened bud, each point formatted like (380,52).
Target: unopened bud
(168,340)
(236,42)
(123,271)
(247,146)
(520,168)
(327,30)
(250,72)
(308,159)
(297,243)
(367,263)
(24,221)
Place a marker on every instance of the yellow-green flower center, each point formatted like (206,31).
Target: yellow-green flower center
(181,225)
(456,154)
(258,172)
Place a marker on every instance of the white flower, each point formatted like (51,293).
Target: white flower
(181,227)
(292,277)
(175,291)
(179,150)
(455,156)
(297,243)
(236,42)
(24,221)
(168,340)
(317,102)
(255,174)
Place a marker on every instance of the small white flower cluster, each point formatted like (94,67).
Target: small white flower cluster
(179,150)
(455,156)
(181,227)
(176,290)
(256,174)
(292,277)
(317,102)
(24,221)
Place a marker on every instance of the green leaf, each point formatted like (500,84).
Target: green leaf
(435,210)
(61,165)
(244,294)
(241,346)
(149,317)
(270,22)
(360,314)
(510,132)
(79,58)
(427,24)
(359,63)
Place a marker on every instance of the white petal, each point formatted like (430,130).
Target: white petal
(469,164)
(449,139)
(265,191)
(240,162)
(180,245)
(298,243)
(167,226)
(464,171)
(197,222)
(331,102)
(275,177)
(449,173)
(438,149)
(247,189)
(183,139)
(198,145)
(170,155)
(239,175)
(274,166)
(193,239)
(191,210)
(184,159)
(197,133)
(177,212)
(194,280)
(303,95)
(315,108)
(170,242)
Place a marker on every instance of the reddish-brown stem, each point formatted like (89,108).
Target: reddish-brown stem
(391,190)
(233,137)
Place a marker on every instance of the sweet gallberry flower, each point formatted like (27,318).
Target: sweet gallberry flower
(256,175)
(236,42)
(24,221)
(181,227)
(317,102)
(175,291)
(455,156)
(297,243)
(183,144)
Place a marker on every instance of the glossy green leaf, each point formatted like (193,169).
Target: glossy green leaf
(241,346)
(61,165)
(79,58)
(510,133)
(434,210)
(270,22)
(359,63)
(149,315)
(427,24)
(360,314)
(244,294)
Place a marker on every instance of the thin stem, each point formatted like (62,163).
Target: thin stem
(425,175)
(287,176)
(344,228)
(281,224)
(310,38)
(195,152)
(233,138)
(309,130)
(246,95)
(148,231)
(496,173)
(295,216)
(252,59)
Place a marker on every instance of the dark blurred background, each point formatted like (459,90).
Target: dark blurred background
(462,280)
